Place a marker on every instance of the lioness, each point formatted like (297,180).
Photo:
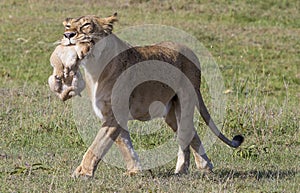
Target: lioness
(109,58)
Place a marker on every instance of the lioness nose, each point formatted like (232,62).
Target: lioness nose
(69,34)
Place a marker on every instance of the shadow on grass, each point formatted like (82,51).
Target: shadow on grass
(257,174)
(224,174)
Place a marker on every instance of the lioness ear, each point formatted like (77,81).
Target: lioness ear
(67,21)
(107,23)
(113,18)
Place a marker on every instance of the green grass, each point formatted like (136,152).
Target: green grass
(255,43)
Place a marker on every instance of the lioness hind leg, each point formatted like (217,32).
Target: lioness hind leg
(170,118)
(183,161)
(183,157)
(131,158)
(101,144)
(201,159)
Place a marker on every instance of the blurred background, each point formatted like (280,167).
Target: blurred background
(257,47)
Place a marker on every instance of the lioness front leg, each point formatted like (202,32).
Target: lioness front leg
(101,144)
(131,158)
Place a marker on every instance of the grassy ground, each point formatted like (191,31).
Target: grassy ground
(255,43)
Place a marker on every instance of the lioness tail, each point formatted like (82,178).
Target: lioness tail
(235,142)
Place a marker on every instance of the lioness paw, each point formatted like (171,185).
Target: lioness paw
(132,172)
(80,172)
(206,166)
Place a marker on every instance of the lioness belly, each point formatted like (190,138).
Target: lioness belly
(150,100)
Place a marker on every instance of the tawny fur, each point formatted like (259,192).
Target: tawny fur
(109,58)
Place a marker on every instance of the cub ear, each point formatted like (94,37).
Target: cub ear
(108,22)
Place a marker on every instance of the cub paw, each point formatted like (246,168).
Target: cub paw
(57,84)
(59,74)
(80,55)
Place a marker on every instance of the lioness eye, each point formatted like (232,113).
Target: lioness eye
(86,25)
(67,26)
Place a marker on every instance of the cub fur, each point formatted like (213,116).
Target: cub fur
(66,80)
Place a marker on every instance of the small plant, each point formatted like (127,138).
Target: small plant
(27,169)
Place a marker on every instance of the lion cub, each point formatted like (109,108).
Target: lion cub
(66,80)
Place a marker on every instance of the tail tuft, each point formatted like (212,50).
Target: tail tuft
(237,141)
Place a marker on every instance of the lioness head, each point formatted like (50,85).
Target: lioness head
(87,29)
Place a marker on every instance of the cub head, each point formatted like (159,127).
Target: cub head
(87,29)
